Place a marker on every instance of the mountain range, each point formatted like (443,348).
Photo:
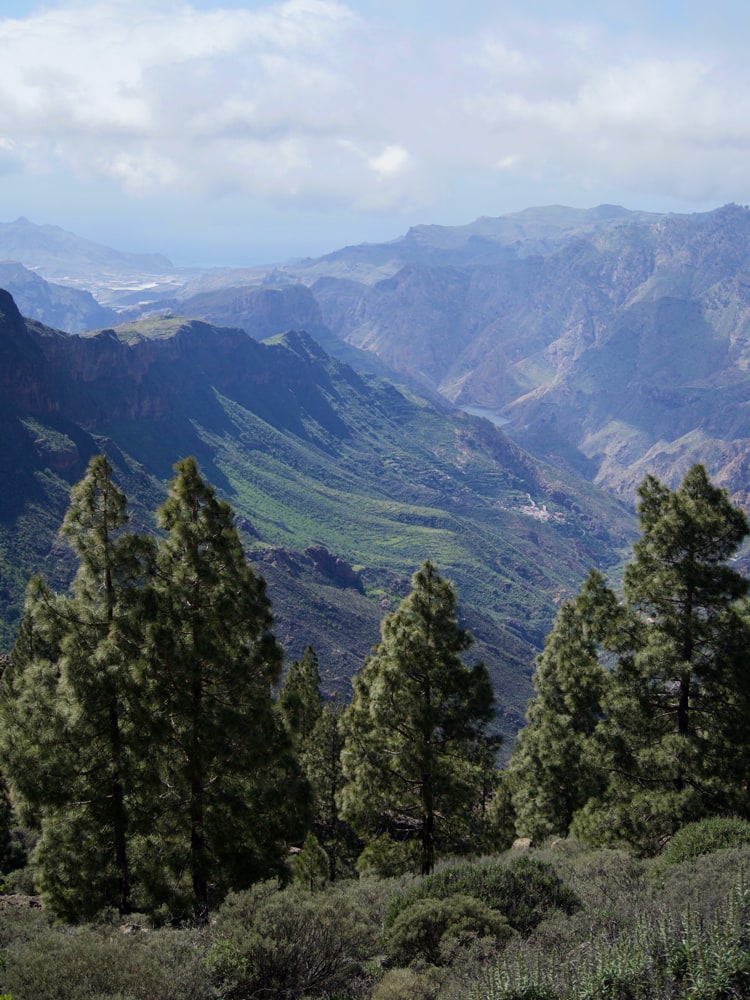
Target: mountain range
(614,341)
(342,483)
(327,399)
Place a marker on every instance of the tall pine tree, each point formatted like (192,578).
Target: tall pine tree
(679,692)
(72,706)
(415,732)
(233,794)
(673,738)
(659,737)
(300,701)
(315,728)
(552,765)
(321,760)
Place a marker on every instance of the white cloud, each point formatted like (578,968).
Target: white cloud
(306,103)
(648,118)
(103,86)
(392,161)
(508,162)
(139,171)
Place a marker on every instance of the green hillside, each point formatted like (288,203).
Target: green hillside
(342,484)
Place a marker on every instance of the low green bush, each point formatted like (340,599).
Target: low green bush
(20,924)
(89,963)
(20,880)
(290,943)
(414,984)
(432,930)
(523,891)
(683,946)
(505,984)
(612,885)
(704,837)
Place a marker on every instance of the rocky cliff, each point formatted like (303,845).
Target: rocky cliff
(68,309)
(617,351)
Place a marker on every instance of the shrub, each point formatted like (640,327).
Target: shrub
(397,984)
(432,929)
(513,984)
(704,837)
(290,943)
(523,891)
(612,884)
(20,880)
(20,923)
(90,963)
(677,953)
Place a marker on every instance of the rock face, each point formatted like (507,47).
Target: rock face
(100,379)
(67,309)
(337,569)
(620,350)
(261,312)
(25,375)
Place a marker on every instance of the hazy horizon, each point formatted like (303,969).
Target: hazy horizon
(253,132)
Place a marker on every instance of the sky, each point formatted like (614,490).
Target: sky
(248,132)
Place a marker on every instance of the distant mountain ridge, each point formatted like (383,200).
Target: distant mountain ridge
(614,343)
(618,352)
(486,241)
(56,253)
(110,275)
(59,306)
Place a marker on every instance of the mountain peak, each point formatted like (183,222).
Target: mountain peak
(9,314)
(298,342)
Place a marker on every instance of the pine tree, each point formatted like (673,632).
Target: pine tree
(680,582)
(553,762)
(674,737)
(233,794)
(72,703)
(322,764)
(310,866)
(315,728)
(415,731)
(300,701)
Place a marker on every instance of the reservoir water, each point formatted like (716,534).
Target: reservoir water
(482,411)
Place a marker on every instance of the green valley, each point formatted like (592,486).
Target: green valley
(342,483)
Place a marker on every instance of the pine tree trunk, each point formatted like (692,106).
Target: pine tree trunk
(428,837)
(197,832)
(119,815)
(428,801)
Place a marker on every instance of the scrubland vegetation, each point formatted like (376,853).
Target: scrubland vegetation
(562,922)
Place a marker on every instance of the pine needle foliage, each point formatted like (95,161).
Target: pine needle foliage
(72,743)
(139,732)
(639,722)
(416,729)
(232,793)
